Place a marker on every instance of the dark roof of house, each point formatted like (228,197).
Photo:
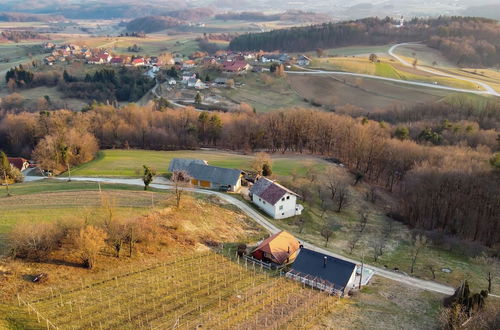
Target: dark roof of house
(17,162)
(270,191)
(181,164)
(214,174)
(337,271)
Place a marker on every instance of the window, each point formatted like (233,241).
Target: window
(283,199)
(282,213)
(287,197)
(281,207)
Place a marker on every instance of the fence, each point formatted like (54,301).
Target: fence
(315,282)
(39,316)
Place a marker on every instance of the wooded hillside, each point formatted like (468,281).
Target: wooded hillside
(467,41)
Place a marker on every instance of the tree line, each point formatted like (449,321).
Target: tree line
(467,41)
(366,147)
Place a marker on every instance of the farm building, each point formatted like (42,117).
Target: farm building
(303,60)
(20,163)
(333,275)
(274,199)
(214,177)
(181,164)
(280,248)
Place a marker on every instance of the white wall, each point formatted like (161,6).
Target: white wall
(287,203)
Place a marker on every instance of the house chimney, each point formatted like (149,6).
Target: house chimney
(324,262)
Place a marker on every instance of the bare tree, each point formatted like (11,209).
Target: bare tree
(354,241)
(181,181)
(327,233)
(489,265)
(342,195)
(418,244)
(261,158)
(363,220)
(377,246)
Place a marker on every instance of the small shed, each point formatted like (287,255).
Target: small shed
(214,177)
(280,248)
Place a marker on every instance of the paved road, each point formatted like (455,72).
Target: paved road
(162,183)
(487,88)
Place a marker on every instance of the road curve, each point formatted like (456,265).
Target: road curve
(399,81)
(487,88)
(161,183)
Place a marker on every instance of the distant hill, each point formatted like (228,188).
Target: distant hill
(23,17)
(192,14)
(298,16)
(151,24)
(488,11)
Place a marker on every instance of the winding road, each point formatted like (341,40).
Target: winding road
(488,90)
(162,183)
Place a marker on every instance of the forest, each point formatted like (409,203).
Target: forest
(466,41)
(103,85)
(421,174)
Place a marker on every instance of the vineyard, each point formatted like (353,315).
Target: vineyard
(206,290)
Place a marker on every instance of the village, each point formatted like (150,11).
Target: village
(181,76)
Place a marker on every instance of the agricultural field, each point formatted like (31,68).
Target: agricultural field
(196,290)
(264,92)
(128,163)
(386,68)
(358,50)
(369,94)
(424,54)
(32,95)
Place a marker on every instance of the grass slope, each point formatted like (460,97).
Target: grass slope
(128,163)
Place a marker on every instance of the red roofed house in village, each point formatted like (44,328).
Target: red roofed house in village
(117,61)
(20,163)
(138,62)
(235,66)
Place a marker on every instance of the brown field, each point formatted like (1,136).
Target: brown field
(360,92)
(33,94)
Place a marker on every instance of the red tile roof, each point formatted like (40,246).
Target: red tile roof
(234,66)
(17,162)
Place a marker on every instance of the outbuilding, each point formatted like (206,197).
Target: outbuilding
(280,249)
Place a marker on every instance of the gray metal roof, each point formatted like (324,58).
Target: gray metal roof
(181,164)
(214,174)
(336,271)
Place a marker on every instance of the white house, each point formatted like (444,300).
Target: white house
(274,199)
(303,60)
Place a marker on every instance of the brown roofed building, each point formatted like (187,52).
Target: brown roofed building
(280,248)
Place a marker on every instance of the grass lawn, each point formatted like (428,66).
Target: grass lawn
(128,163)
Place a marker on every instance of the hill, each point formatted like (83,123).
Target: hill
(463,40)
(23,17)
(150,24)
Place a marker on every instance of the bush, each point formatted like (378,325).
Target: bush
(35,241)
